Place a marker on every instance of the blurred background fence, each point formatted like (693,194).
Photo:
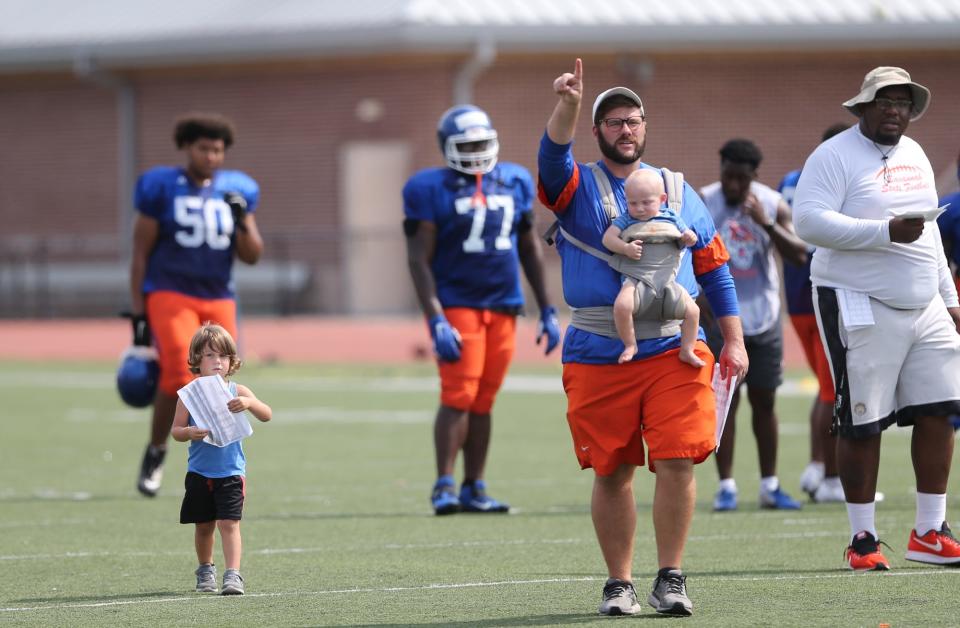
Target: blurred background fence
(77,277)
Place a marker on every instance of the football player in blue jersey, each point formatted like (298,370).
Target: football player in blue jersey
(191,223)
(949,224)
(469,229)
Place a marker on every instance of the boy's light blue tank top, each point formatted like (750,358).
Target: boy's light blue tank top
(211,461)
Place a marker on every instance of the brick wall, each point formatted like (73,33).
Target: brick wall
(59,134)
(58,151)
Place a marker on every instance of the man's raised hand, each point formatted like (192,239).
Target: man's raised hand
(570,86)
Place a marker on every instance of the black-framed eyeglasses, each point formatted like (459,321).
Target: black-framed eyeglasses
(615,124)
(902,106)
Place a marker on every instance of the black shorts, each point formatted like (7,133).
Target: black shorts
(210,499)
(765,352)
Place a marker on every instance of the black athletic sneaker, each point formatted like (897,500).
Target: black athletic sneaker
(151,471)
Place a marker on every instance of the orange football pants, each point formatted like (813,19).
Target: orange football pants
(174,318)
(806,328)
(489,341)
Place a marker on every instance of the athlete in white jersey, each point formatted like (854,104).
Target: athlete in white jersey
(886,307)
(752,263)
(753,220)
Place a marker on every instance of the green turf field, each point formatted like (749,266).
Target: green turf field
(338,530)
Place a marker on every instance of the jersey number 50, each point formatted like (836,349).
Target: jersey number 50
(203,220)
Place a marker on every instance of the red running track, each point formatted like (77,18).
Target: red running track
(289,340)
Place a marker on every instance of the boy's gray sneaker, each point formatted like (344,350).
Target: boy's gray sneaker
(619,598)
(206,578)
(669,595)
(232,583)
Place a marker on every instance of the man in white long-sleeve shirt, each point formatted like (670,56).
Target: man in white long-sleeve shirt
(887,309)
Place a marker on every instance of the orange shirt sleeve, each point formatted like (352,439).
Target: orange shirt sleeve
(710,257)
(563,199)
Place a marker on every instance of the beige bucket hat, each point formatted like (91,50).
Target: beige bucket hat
(885,76)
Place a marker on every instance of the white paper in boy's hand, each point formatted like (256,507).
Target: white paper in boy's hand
(927,215)
(206,400)
(723,391)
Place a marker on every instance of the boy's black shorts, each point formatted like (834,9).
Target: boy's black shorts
(210,499)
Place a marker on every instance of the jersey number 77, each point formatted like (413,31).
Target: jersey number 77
(494,202)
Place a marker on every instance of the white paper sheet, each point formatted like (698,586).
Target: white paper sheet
(927,215)
(723,390)
(855,308)
(206,400)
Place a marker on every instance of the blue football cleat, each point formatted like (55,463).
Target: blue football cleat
(444,497)
(778,500)
(474,498)
(724,501)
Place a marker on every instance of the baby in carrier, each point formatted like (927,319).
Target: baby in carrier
(649,288)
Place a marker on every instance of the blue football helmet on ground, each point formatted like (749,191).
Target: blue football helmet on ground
(468,140)
(137,376)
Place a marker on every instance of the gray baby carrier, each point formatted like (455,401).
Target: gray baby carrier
(658,298)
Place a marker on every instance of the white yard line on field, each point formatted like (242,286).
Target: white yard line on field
(461,585)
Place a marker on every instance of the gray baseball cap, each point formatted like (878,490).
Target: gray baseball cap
(616,91)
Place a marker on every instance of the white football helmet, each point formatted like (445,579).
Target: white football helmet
(468,140)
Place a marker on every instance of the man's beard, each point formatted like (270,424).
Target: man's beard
(887,139)
(876,135)
(610,151)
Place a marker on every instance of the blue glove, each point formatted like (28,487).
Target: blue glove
(549,326)
(446,339)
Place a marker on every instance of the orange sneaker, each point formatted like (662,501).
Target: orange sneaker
(937,547)
(863,554)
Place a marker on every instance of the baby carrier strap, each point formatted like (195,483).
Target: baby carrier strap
(672,185)
(599,320)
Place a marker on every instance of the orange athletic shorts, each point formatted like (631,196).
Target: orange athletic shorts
(174,318)
(806,327)
(613,409)
(489,340)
